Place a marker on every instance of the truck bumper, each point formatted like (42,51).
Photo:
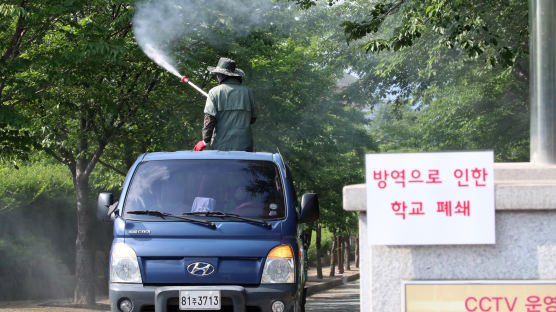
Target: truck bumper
(234,298)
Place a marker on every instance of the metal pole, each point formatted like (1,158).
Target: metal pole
(542,24)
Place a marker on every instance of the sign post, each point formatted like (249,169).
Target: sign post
(430,198)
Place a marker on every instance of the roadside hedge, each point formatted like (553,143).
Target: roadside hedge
(34,182)
(38,227)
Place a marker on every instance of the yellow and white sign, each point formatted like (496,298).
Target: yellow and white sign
(480,296)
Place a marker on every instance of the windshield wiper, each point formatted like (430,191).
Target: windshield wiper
(163,215)
(232,215)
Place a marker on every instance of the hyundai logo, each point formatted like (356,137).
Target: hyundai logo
(200,269)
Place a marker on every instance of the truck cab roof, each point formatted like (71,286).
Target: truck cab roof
(210,155)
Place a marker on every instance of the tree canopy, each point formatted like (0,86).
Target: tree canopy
(480,28)
(450,75)
(74,86)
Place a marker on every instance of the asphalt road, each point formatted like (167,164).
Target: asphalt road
(344,298)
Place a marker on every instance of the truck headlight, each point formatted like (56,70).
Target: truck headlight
(279,266)
(124,267)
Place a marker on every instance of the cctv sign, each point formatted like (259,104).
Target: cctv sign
(479,296)
(430,198)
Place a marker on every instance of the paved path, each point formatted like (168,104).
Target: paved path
(344,298)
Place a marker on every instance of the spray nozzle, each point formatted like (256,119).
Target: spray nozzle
(184,79)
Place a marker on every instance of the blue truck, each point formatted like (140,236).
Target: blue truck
(199,231)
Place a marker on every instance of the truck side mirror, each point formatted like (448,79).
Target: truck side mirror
(309,208)
(105,199)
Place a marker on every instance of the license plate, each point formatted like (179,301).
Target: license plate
(200,300)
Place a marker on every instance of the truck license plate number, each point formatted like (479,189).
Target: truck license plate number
(199,300)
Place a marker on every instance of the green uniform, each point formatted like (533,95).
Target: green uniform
(233,106)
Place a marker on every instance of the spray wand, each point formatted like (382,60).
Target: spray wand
(184,79)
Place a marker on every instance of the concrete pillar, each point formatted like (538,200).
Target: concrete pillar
(542,24)
(525,246)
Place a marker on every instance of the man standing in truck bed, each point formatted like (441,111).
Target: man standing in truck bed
(229,111)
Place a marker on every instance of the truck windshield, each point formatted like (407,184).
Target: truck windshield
(247,188)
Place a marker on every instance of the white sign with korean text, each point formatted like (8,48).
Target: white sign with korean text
(430,198)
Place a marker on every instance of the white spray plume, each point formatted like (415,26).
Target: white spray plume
(160,26)
(160,58)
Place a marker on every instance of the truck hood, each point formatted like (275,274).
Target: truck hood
(184,253)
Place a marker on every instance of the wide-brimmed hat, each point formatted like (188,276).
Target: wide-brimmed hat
(226,67)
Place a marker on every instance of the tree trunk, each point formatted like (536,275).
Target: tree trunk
(319,252)
(306,241)
(13,49)
(306,238)
(340,255)
(84,260)
(357,251)
(333,254)
(347,252)
(84,292)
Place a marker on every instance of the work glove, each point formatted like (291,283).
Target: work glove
(200,146)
